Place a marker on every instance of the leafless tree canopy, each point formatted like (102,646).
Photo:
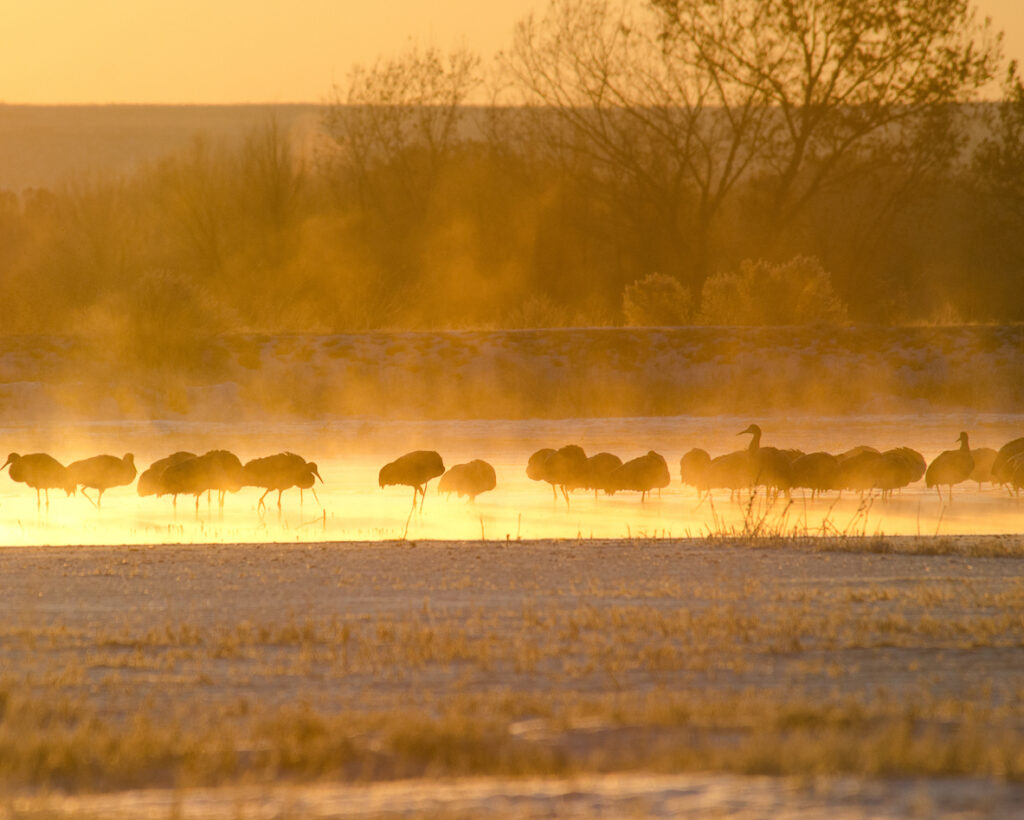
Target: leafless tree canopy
(612,140)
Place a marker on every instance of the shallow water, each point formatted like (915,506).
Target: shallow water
(352,507)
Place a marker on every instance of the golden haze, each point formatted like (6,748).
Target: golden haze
(116,51)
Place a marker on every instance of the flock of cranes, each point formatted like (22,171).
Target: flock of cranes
(779,471)
(180,473)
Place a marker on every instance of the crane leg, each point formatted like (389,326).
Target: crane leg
(89,498)
(38,499)
(260,502)
(99,500)
(950,493)
(47,493)
(279,499)
(565,493)
(423,496)
(315,496)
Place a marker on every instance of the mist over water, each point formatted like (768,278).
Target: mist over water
(352,507)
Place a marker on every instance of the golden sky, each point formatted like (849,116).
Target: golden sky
(219,51)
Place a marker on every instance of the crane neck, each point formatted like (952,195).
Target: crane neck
(755,441)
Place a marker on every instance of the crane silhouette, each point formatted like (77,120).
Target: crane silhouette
(281,472)
(101,473)
(40,471)
(469,479)
(950,467)
(415,470)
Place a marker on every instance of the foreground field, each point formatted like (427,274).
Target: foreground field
(177,668)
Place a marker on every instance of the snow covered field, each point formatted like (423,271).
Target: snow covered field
(541,679)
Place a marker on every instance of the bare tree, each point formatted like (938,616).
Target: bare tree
(845,79)
(400,119)
(999,159)
(610,94)
(195,190)
(272,175)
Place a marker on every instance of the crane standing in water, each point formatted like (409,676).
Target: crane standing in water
(41,472)
(469,479)
(281,472)
(101,473)
(414,470)
(218,470)
(950,467)
(151,482)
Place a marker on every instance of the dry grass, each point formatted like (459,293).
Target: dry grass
(510,661)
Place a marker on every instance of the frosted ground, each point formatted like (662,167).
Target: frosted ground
(572,373)
(537,679)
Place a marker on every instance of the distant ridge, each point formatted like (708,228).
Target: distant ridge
(42,146)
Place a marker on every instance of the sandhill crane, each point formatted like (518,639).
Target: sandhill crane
(897,468)
(771,466)
(817,472)
(40,471)
(101,473)
(469,479)
(732,471)
(598,470)
(536,469)
(151,482)
(414,470)
(644,474)
(218,470)
(566,468)
(280,472)
(853,452)
(858,469)
(1015,468)
(984,458)
(694,470)
(950,467)
(1003,467)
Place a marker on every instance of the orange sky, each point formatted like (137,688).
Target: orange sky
(215,51)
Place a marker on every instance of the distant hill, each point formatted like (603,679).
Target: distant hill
(41,146)
(44,145)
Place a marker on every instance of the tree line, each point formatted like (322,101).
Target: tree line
(620,162)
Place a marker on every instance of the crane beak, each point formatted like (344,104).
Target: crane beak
(317,474)
(6,463)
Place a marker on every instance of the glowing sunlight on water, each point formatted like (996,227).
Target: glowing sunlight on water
(352,507)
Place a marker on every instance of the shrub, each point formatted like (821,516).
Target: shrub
(797,292)
(656,300)
(162,321)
